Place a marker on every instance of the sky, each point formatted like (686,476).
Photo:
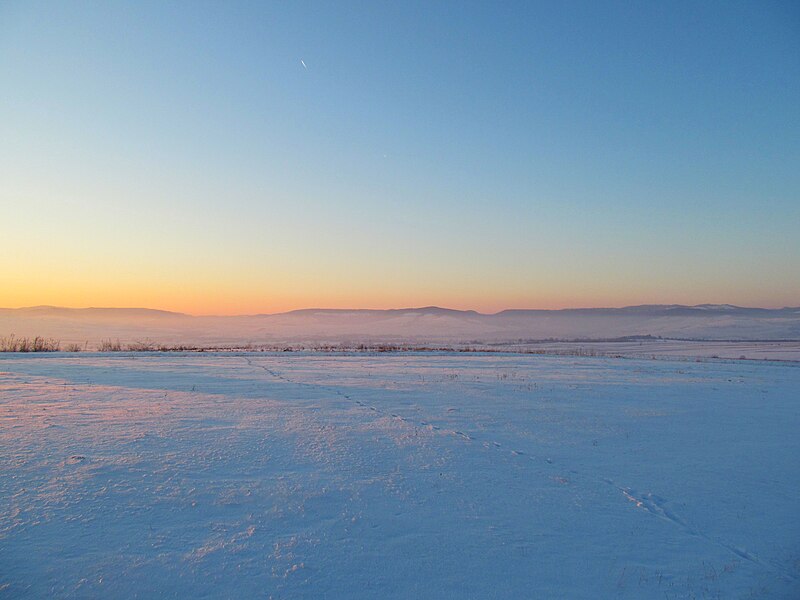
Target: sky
(247,157)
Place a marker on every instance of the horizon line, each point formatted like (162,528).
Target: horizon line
(409,308)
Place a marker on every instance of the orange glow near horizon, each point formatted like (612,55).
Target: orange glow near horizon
(247,274)
(200,299)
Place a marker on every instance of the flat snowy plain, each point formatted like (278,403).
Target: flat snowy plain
(403,475)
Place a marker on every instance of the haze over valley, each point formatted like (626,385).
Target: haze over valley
(409,325)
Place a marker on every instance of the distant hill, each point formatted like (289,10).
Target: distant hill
(425,324)
(60,311)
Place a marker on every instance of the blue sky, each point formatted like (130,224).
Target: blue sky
(477,155)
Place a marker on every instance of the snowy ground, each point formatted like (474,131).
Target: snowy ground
(669,349)
(403,475)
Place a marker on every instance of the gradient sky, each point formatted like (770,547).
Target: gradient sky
(472,155)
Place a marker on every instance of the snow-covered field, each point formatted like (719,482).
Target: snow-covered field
(404,475)
(666,349)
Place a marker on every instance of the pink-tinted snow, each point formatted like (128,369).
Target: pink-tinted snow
(405,475)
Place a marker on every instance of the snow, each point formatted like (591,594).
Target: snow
(315,475)
(658,348)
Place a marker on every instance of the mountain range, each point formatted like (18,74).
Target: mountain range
(429,324)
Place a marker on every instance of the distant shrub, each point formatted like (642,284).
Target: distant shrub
(178,348)
(109,346)
(73,348)
(141,346)
(13,343)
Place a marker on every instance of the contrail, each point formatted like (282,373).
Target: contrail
(302,62)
